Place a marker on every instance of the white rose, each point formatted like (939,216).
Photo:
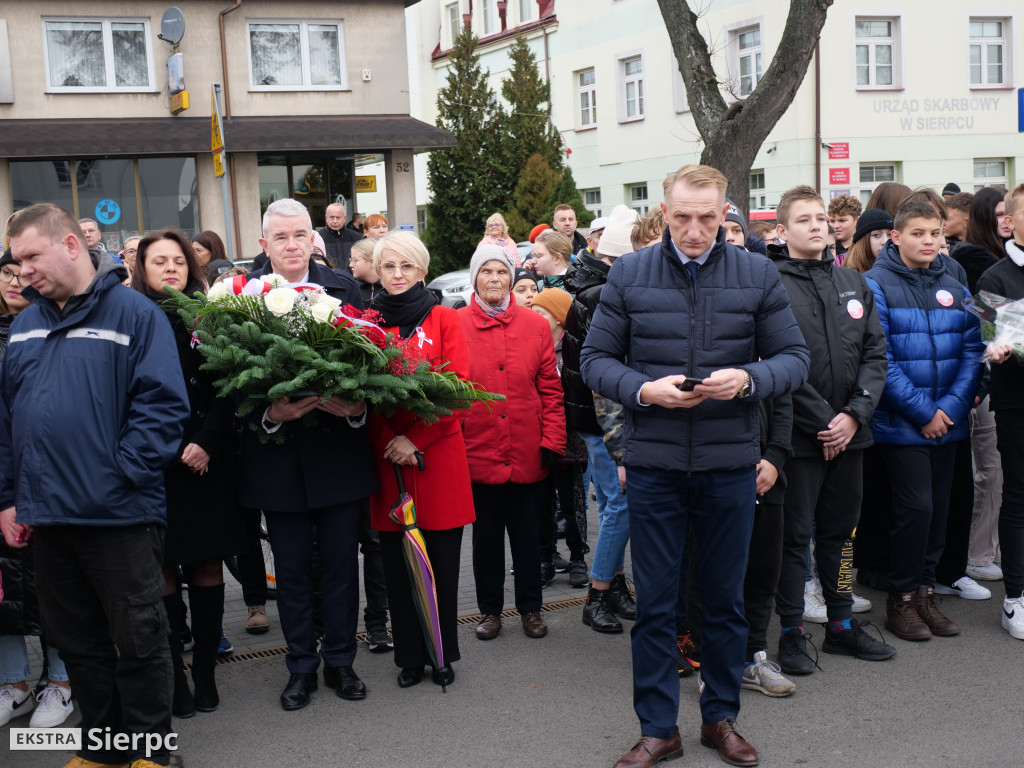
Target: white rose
(329,301)
(281,300)
(217,291)
(274,280)
(322,313)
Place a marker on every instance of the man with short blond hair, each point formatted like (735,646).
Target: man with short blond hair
(689,335)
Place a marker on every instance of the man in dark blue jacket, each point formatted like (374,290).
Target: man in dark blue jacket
(92,409)
(310,487)
(689,335)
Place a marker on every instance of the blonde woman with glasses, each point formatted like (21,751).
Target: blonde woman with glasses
(496,233)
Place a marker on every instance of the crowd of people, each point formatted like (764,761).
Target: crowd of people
(793,407)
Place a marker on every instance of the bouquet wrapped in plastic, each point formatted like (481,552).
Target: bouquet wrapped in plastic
(264,339)
(1002,321)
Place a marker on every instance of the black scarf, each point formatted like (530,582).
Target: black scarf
(407,310)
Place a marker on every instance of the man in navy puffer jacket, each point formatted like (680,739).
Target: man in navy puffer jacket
(92,410)
(934,349)
(691,306)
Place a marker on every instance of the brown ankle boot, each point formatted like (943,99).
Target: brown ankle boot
(901,617)
(939,625)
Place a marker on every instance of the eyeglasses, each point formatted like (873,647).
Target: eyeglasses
(130,251)
(406,269)
(7,276)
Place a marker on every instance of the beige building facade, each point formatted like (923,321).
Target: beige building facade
(308,92)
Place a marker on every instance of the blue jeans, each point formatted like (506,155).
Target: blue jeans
(14,666)
(612,514)
(662,507)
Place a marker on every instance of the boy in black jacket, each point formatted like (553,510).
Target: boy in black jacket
(1006,391)
(836,313)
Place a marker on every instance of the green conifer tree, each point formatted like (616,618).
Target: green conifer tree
(469,181)
(530,207)
(529,129)
(565,192)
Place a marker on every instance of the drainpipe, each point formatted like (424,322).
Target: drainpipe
(227,118)
(817,116)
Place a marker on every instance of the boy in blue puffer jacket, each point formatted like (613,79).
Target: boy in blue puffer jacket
(934,349)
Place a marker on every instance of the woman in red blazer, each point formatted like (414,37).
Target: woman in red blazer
(511,443)
(441,492)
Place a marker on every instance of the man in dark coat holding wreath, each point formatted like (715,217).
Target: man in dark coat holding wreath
(310,487)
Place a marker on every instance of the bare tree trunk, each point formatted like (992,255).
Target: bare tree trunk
(733,133)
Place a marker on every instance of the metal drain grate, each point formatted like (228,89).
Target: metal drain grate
(268,653)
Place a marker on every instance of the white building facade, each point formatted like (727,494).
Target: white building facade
(923,93)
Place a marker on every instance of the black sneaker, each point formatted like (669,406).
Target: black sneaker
(683,665)
(578,574)
(380,641)
(547,572)
(560,563)
(793,657)
(857,643)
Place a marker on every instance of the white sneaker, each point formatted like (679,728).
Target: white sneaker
(54,707)
(861,604)
(964,587)
(14,703)
(990,572)
(1013,617)
(766,676)
(815,611)
(700,683)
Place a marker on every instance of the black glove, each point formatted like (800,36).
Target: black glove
(549,458)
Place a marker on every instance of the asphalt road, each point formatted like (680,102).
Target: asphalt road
(565,700)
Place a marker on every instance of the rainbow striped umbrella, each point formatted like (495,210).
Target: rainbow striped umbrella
(421,574)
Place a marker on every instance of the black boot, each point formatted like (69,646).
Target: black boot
(619,598)
(207,614)
(182,705)
(597,613)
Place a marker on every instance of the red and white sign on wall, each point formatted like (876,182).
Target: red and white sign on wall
(839,150)
(838,175)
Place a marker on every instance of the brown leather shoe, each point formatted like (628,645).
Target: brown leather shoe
(901,617)
(650,750)
(533,625)
(732,747)
(489,627)
(940,626)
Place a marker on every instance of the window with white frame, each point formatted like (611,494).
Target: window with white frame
(877,52)
(873,174)
(988,51)
(748,57)
(489,17)
(592,201)
(990,172)
(758,199)
(588,98)
(421,219)
(453,18)
(638,198)
(98,55)
(526,10)
(297,55)
(631,73)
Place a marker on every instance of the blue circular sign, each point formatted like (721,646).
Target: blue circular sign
(107,211)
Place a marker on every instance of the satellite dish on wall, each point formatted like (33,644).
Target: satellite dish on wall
(172,26)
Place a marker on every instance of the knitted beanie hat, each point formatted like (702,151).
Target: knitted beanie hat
(554,300)
(486,253)
(615,241)
(870,220)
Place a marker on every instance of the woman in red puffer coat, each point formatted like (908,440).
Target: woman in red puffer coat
(510,444)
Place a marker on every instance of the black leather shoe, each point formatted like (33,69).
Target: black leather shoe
(345,682)
(410,676)
(547,573)
(597,613)
(444,675)
(299,691)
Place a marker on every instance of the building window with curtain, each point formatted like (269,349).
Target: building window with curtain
(588,98)
(297,56)
(97,55)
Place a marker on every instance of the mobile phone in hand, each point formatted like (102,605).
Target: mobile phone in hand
(688,384)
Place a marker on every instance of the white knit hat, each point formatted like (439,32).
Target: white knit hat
(615,241)
(486,253)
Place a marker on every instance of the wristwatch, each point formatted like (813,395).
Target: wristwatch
(745,389)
